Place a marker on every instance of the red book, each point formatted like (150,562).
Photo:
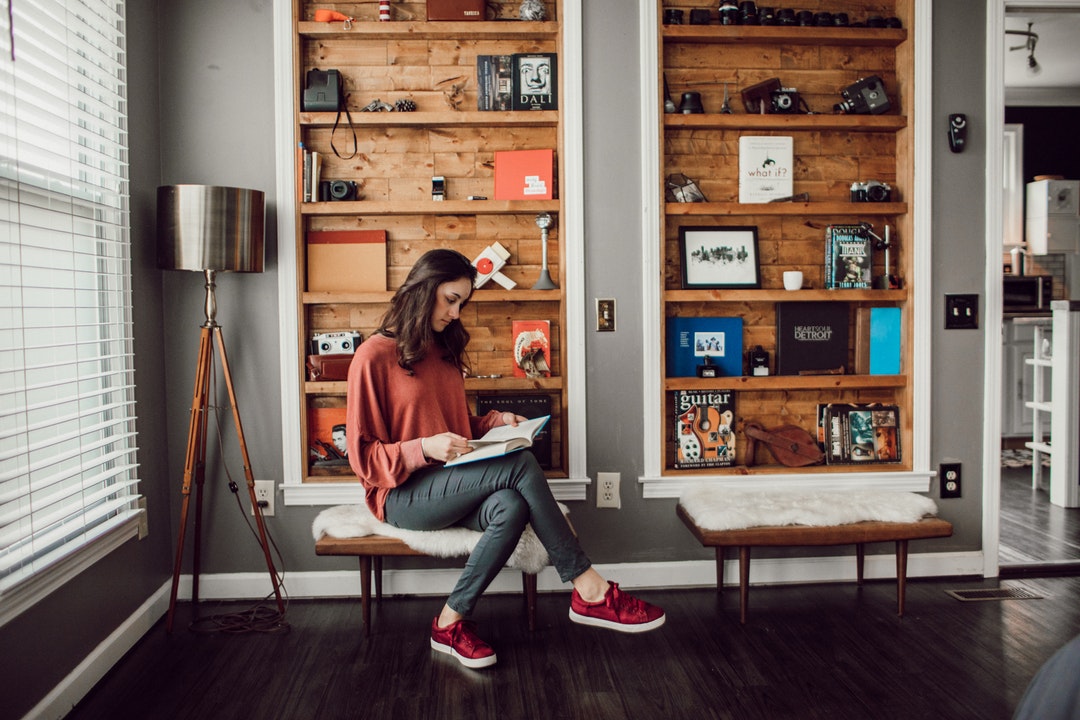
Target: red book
(532,348)
(525,175)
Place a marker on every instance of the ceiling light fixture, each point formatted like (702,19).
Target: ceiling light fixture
(1029,44)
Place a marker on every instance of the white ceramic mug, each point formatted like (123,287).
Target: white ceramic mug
(792,279)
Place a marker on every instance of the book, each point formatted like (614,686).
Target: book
(811,338)
(528,406)
(525,174)
(691,339)
(502,440)
(485,82)
(766,168)
(704,428)
(849,254)
(326,437)
(532,348)
(494,82)
(858,433)
(535,83)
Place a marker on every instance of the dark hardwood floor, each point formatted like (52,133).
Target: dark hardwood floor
(1032,529)
(812,651)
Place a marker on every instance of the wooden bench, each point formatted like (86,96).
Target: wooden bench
(371,549)
(858,534)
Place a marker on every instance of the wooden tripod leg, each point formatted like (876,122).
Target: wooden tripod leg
(194,469)
(248,473)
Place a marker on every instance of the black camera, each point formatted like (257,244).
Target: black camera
(343,190)
(784,101)
(871,191)
(864,97)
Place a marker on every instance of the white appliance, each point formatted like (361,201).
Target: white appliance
(1053,216)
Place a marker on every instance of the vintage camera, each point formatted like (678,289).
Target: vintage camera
(784,101)
(344,190)
(335,343)
(864,97)
(871,191)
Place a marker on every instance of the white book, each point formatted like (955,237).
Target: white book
(766,168)
(502,440)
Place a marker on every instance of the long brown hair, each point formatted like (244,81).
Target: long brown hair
(408,320)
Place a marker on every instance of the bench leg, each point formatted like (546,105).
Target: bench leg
(378,577)
(528,582)
(901,575)
(719,568)
(860,557)
(365,593)
(744,582)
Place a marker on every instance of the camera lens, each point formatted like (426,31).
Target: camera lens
(875,21)
(673,17)
(877,192)
(748,11)
(767,16)
(340,190)
(804,18)
(840,19)
(785,16)
(729,13)
(823,19)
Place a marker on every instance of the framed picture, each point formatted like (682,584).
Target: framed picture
(719,257)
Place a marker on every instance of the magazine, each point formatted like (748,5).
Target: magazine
(502,440)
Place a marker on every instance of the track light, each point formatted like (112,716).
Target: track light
(1032,38)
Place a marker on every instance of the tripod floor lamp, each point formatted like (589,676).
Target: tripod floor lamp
(210,229)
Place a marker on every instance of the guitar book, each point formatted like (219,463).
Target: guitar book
(704,428)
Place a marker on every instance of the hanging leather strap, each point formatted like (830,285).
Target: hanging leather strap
(344,108)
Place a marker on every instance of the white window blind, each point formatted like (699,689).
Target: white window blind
(67,415)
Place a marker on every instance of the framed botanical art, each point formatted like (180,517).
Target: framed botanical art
(719,257)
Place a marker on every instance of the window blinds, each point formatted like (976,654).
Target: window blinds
(67,415)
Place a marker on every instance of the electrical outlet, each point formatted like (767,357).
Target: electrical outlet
(949,475)
(605,315)
(607,490)
(264,495)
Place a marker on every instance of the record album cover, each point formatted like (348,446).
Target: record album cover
(811,337)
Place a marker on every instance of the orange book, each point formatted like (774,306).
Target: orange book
(532,348)
(346,260)
(525,175)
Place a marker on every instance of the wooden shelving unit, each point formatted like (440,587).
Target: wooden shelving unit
(831,151)
(434,65)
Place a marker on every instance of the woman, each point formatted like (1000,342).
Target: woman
(407,415)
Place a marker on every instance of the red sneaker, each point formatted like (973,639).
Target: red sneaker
(460,641)
(617,611)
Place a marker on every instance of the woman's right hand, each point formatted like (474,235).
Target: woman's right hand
(445,447)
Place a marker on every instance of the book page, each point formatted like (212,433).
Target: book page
(525,430)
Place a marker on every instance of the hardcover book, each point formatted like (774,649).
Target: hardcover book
(849,253)
(326,437)
(532,348)
(525,174)
(528,406)
(766,168)
(704,428)
(535,84)
(858,433)
(494,82)
(502,440)
(690,340)
(811,338)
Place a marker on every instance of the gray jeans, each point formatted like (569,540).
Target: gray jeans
(498,498)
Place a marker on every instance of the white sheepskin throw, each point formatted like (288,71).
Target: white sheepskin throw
(714,508)
(345,521)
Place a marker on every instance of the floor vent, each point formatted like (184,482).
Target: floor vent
(1005,593)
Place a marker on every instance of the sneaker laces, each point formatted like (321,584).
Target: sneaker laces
(465,635)
(629,605)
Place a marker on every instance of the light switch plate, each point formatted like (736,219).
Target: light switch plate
(605,315)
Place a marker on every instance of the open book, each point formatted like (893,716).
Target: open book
(502,440)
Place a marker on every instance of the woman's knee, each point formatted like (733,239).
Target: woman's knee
(506,508)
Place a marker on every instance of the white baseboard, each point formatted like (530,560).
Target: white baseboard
(346,583)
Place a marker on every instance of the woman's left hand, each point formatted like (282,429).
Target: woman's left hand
(510,418)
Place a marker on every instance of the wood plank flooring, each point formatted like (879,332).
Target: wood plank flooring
(831,651)
(1032,529)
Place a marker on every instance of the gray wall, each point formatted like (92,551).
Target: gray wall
(210,66)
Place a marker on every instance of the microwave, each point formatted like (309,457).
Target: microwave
(1027,293)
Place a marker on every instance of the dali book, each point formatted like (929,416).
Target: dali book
(502,440)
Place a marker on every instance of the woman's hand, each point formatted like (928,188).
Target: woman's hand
(445,447)
(509,418)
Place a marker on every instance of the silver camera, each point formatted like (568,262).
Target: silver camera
(336,343)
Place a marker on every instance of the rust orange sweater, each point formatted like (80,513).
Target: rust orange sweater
(389,411)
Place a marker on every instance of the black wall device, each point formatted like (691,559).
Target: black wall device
(957,132)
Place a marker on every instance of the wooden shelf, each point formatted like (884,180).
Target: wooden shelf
(446,118)
(779,383)
(743,121)
(771,469)
(429,207)
(778,295)
(784,35)
(732,209)
(495,30)
(503,384)
(482,295)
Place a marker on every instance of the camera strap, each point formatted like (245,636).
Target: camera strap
(343,106)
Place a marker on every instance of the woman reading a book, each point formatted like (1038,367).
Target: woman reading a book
(407,415)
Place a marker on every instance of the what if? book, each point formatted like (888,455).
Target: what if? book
(811,338)
(849,254)
(704,428)
(766,168)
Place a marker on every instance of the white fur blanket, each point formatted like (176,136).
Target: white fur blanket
(714,508)
(345,521)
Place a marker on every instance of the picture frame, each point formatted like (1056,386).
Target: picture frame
(719,257)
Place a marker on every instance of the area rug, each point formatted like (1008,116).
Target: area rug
(1020,457)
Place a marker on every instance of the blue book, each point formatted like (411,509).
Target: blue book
(885,341)
(691,339)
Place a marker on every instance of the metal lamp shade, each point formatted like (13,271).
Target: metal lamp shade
(206,227)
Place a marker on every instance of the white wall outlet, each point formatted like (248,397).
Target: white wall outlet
(264,495)
(607,490)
